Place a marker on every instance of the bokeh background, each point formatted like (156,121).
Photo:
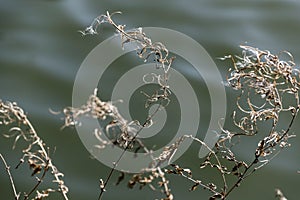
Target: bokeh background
(41,51)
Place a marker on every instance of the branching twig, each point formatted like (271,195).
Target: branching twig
(103,188)
(255,74)
(35,153)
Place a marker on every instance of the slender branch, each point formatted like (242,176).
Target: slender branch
(241,178)
(36,152)
(217,159)
(164,183)
(56,174)
(125,149)
(39,181)
(255,161)
(17,196)
(291,123)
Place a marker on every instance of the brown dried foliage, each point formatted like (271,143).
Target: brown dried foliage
(263,80)
(35,154)
(128,132)
(255,74)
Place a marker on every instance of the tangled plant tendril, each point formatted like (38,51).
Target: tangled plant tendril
(146,49)
(127,133)
(263,81)
(36,154)
(268,86)
(261,73)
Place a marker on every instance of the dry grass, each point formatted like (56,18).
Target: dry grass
(262,79)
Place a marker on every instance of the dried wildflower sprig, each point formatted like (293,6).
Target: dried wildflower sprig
(96,108)
(122,130)
(260,73)
(145,49)
(212,160)
(255,74)
(265,82)
(124,135)
(35,154)
(156,180)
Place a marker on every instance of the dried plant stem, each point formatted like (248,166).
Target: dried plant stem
(7,168)
(217,159)
(164,183)
(36,153)
(103,187)
(264,81)
(145,49)
(255,161)
(39,181)
(63,189)
(241,178)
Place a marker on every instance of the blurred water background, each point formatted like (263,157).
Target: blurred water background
(41,51)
